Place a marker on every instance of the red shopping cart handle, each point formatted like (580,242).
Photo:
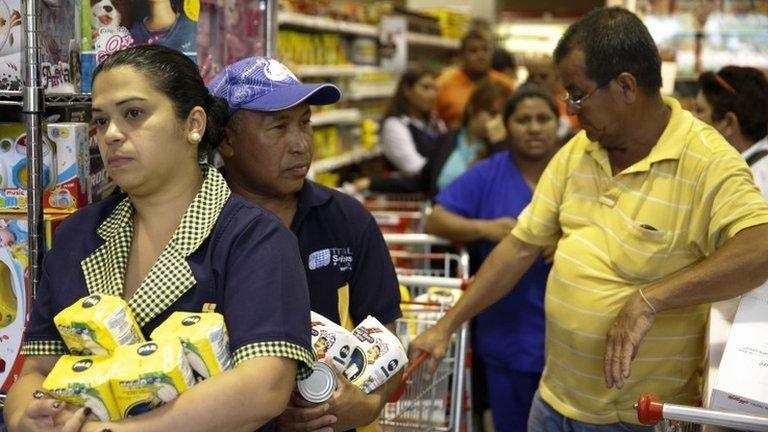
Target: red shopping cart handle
(408,371)
(650,409)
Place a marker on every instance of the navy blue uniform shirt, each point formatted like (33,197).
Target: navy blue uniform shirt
(349,269)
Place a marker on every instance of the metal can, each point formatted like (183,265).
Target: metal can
(319,386)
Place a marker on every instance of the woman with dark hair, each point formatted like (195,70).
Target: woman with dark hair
(176,240)
(410,127)
(734,101)
(480,208)
(481,131)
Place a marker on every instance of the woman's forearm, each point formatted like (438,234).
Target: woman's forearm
(444,223)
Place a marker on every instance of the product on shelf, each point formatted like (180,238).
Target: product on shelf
(97,325)
(73,175)
(301,48)
(149,374)
(228,31)
(117,24)
(59,45)
(204,338)
(84,381)
(14,280)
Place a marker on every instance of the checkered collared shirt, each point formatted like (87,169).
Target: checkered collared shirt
(170,277)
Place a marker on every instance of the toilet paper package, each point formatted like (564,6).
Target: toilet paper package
(149,374)
(97,324)
(84,381)
(378,356)
(204,338)
(330,340)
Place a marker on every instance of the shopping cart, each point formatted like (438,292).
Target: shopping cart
(395,202)
(680,418)
(439,402)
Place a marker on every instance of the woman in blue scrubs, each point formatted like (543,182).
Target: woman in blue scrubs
(480,207)
(176,240)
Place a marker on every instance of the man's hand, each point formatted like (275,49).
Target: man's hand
(434,341)
(351,406)
(631,324)
(303,416)
(495,230)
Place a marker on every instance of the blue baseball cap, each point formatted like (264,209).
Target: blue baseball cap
(265,84)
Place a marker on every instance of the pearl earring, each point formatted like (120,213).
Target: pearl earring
(195,137)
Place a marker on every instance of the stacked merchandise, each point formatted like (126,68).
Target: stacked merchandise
(73,175)
(117,373)
(59,45)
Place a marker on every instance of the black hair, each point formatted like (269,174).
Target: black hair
(613,40)
(176,76)
(473,34)
(529,91)
(485,93)
(502,59)
(399,104)
(742,91)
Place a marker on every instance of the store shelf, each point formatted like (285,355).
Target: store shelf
(349,158)
(319,23)
(51,100)
(374,93)
(313,71)
(339,116)
(432,41)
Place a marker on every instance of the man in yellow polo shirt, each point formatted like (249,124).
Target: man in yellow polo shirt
(654,216)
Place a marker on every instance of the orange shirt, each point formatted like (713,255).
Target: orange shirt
(453,90)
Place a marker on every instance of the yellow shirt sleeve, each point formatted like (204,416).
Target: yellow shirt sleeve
(728,201)
(539,222)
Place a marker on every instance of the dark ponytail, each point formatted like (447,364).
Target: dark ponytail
(178,78)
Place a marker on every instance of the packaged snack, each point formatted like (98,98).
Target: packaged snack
(97,324)
(204,338)
(149,374)
(84,381)
(331,340)
(378,356)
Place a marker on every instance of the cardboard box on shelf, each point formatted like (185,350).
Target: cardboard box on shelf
(742,379)
(15,290)
(118,24)
(59,45)
(71,175)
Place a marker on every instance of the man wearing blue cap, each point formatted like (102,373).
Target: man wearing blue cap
(266,157)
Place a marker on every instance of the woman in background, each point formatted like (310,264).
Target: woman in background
(410,127)
(480,207)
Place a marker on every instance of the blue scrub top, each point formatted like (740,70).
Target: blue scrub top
(511,330)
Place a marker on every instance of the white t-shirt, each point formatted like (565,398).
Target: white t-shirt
(398,145)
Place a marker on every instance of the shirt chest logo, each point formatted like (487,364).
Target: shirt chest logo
(340,258)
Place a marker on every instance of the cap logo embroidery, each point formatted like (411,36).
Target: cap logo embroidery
(277,72)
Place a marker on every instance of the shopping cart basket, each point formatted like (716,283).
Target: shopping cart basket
(679,418)
(396,202)
(439,402)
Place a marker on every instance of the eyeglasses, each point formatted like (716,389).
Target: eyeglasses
(576,103)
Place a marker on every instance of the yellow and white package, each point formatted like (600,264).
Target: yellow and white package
(149,374)
(378,356)
(84,381)
(330,340)
(204,338)
(97,324)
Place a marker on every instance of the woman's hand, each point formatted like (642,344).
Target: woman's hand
(44,414)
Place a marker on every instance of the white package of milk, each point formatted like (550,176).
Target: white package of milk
(330,340)
(379,356)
